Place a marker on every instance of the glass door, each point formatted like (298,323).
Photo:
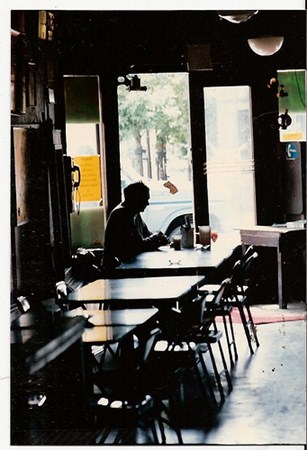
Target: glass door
(155,146)
(230,161)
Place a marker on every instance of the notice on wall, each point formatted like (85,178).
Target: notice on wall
(90,179)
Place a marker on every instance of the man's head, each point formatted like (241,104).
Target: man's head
(136,196)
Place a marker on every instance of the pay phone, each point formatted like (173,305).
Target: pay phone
(292,180)
(72,181)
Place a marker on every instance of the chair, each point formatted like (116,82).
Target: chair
(237,295)
(186,337)
(207,333)
(218,306)
(173,354)
(124,398)
(240,296)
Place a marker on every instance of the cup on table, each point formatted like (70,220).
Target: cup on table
(204,235)
(177,242)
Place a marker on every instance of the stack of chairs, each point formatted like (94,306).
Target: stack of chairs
(238,295)
(189,344)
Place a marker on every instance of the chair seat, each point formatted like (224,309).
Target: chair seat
(212,337)
(119,418)
(209,288)
(224,308)
(137,401)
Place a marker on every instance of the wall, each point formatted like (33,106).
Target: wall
(38,219)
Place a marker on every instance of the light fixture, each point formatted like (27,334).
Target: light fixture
(266,45)
(284,120)
(236,16)
(133,83)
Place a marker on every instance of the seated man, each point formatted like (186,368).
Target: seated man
(126,233)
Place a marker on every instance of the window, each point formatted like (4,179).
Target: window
(83,146)
(155,146)
(292,100)
(230,163)
(82,137)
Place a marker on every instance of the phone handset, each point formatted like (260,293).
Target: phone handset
(76,180)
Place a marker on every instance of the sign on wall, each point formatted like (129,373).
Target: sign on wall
(292,101)
(90,183)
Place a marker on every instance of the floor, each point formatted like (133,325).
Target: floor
(266,406)
(268,401)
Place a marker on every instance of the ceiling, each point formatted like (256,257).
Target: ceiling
(149,41)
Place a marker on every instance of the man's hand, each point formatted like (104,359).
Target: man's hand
(159,239)
(162,239)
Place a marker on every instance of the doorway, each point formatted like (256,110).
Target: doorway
(230,157)
(155,146)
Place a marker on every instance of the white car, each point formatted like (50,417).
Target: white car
(167,211)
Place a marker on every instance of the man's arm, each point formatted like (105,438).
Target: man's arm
(126,237)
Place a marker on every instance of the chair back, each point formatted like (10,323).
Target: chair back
(219,295)
(217,300)
(248,252)
(148,345)
(243,268)
(242,274)
(23,304)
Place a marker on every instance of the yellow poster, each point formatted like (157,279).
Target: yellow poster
(90,180)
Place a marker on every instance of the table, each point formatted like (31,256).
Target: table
(38,343)
(109,328)
(188,261)
(137,292)
(45,369)
(112,325)
(115,317)
(274,236)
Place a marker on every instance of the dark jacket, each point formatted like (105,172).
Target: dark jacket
(126,235)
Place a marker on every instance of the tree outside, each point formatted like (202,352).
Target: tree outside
(154,127)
